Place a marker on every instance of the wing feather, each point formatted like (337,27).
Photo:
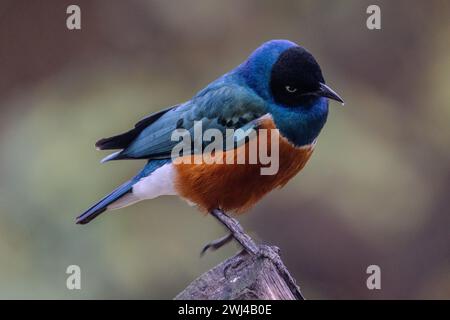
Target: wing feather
(221,107)
(122,141)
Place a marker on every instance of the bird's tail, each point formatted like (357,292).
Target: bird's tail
(122,196)
(110,200)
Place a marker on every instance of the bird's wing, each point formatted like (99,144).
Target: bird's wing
(221,107)
(121,141)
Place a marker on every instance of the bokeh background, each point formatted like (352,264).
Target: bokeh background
(376,190)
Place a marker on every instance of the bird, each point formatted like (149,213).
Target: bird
(279,87)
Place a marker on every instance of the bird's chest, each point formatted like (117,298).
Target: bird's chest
(239,184)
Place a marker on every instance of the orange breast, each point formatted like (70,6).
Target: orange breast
(237,187)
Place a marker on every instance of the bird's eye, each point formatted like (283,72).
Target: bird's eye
(291,89)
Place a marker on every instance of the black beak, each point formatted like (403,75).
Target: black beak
(327,92)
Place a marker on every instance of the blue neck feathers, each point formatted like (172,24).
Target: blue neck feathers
(300,125)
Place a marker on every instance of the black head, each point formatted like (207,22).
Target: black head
(296,79)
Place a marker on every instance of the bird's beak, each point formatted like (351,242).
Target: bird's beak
(327,92)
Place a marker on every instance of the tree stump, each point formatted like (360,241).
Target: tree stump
(245,276)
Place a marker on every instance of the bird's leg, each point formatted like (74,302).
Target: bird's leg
(259,252)
(236,232)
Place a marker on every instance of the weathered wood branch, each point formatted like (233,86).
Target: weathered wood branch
(257,272)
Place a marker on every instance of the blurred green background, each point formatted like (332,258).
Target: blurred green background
(376,190)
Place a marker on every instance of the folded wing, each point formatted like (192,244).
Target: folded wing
(220,107)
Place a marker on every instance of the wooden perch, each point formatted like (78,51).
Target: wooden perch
(257,272)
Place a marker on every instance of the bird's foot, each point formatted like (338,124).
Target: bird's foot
(272,253)
(236,232)
(269,252)
(217,244)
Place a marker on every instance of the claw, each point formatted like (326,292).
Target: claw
(269,252)
(217,244)
(237,233)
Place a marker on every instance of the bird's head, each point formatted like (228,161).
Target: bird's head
(287,74)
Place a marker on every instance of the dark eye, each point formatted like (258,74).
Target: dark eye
(290,89)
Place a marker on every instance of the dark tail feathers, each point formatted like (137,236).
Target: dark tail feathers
(101,206)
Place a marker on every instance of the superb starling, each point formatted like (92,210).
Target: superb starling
(280,86)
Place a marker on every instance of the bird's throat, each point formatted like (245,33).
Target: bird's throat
(300,126)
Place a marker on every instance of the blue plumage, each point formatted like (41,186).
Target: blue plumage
(279,79)
(256,71)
